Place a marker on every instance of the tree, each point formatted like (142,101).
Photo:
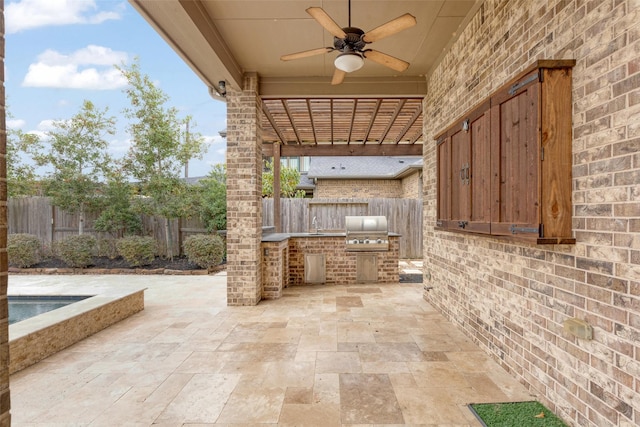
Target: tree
(158,150)
(289,179)
(117,215)
(21,176)
(77,153)
(213,199)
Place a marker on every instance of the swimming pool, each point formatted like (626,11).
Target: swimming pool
(24,307)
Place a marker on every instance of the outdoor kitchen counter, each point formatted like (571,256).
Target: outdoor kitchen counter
(279,237)
(291,259)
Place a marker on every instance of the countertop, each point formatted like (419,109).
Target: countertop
(279,237)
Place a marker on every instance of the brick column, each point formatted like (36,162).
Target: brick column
(244,193)
(5,405)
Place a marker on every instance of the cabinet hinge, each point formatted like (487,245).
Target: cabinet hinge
(515,229)
(524,82)
(462,224)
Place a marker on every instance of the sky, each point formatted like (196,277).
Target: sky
(62,52)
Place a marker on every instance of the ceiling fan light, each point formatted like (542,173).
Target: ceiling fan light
(349,62)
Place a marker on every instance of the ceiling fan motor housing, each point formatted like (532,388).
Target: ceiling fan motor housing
(353,41)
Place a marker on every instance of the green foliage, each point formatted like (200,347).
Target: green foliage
(289,179)
(24,250)
(206,250)
(137,250)
(106,248)
(77,152)
(213,199)
(21,177)
(525,414)
(76,251)
(118,216)
(159,149)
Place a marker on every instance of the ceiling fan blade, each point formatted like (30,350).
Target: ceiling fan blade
(338,77)
(394,26)
(386,60)
(326,21)
(306,53)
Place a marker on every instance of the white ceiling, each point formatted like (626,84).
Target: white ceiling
(221,40)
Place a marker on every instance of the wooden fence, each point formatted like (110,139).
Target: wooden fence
(404,216)
(36,215)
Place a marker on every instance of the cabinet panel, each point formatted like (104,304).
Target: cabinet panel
(460,178)
(505,167)
(516,195)
(480,219)
(464,164)
(444,181)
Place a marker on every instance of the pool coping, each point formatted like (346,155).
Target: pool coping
(39,337)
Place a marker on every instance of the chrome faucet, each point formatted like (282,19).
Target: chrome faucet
(314,223)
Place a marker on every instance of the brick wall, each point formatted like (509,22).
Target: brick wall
(512,297)
(244,193)
(358,188)
(411,186)
(275,268)
(340,264)
(5,415)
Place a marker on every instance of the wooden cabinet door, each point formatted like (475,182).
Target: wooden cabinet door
(480,170)
(460,179)
(464,174)
(444,183)
(515,148)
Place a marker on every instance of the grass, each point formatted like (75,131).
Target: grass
(520,414)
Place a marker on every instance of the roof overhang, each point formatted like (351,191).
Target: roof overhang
(221,40)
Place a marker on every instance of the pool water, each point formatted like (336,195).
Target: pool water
(24,307)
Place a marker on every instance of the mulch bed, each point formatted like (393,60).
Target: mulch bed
(105,265)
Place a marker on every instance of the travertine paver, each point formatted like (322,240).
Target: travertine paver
(320,356)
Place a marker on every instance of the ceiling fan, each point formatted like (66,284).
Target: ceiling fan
(351,42)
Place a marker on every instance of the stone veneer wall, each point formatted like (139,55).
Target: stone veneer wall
(512,298)
(35,346)
(357,188)
(5,401)
(244,193)
(340,264)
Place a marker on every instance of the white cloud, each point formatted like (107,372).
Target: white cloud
(28,14)
(15,123)
(41,135)
(57,70)
(45,126)
(213,139)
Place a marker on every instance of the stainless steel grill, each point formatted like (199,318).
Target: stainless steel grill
(366,233)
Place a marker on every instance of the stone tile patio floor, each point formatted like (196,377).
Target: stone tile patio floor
(359,355)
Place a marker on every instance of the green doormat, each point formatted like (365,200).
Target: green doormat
(515,414)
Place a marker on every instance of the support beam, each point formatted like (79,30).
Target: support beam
(244,194)
(345,150)
(276,187)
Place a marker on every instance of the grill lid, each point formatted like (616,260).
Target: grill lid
(366,224)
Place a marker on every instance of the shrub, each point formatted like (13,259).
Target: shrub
(76,251)
(137,250)
(206,250)
(24,250)
(107,248)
